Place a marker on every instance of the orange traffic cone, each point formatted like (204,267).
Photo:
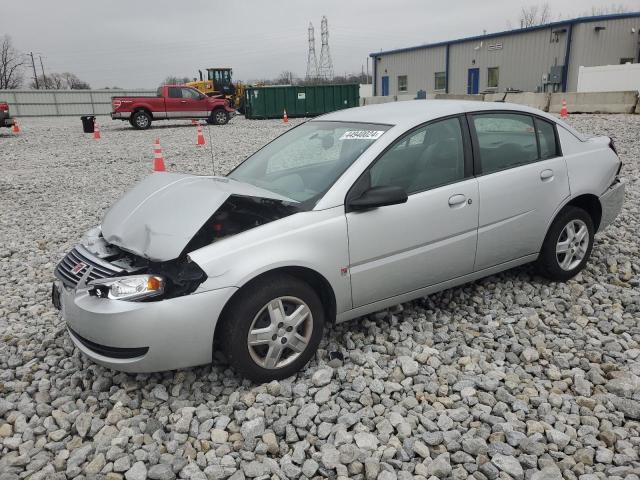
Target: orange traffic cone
(16,127)
(96,131)
(200,136)
(158,161)
(285,118)
(563,111)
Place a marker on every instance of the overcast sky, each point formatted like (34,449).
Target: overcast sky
(138,43)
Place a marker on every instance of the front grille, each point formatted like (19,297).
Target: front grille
(76,264)
(106,351)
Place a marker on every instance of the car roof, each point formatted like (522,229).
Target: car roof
(415,112)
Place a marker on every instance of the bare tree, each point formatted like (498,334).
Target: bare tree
(535,15)
(175,80)
(614,8)
(73,82)
(60,81)
(11,62)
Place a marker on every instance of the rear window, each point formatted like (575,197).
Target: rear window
(175,92)
(547,139)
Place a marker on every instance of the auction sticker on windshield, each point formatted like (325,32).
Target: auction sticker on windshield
(362,135)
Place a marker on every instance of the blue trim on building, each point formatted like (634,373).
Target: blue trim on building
(570,22)
(446,70)
(567,59)
(375,75)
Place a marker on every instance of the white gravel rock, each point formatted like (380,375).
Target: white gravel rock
(511,375)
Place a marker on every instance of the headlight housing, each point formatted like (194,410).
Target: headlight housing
(131,288)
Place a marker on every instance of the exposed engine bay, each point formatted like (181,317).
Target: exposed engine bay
(182,276)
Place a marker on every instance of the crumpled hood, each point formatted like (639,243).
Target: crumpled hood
(158,217)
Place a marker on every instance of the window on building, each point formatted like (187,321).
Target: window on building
(627,60)
(440,81)
(493,77)
(506,140)
(402,83)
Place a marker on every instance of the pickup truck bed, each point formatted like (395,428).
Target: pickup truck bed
(172,102)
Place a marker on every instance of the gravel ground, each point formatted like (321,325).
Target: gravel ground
(508,377)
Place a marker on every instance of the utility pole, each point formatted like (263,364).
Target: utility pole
(35,74)
(44,77)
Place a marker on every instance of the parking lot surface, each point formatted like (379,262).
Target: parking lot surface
(508,377)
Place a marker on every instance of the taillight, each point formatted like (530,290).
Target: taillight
(4,107)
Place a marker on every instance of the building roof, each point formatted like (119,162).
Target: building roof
(515,31)
(407,114)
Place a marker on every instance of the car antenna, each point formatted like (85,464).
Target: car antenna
(213,161)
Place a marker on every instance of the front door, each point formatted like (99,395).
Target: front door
(523,181)
(427,240)
(473,81)
(385,86)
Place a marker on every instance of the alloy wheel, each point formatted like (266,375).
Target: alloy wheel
(572,244)
(280,332)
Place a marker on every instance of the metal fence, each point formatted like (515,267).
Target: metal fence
(50,103)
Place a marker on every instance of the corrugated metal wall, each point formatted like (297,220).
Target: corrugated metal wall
(523,57)
(522,60)
(32,103)
(420,67)
(590,48)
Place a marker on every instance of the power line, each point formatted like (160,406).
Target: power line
(35,74)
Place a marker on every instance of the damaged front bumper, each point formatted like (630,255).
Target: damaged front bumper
(142,336)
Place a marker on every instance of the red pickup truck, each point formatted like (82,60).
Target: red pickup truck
(5,119)
(172,101)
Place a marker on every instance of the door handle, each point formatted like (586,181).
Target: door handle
(183,101)
(457,200)
(546,174)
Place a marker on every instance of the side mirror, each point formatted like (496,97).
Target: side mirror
(378,197)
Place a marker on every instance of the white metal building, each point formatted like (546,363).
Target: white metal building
(543,58)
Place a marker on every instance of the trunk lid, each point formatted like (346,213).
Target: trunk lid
(158,217)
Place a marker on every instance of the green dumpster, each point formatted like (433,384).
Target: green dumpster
(299,101)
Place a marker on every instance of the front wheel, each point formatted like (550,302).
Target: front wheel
(272,328)
(218,117)
(567,246)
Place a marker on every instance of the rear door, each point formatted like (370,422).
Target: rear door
(432,237)
(522,179)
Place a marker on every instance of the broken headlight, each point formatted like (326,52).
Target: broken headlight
(134,287)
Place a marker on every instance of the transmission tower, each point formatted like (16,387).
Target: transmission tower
(325,70)
(312,62)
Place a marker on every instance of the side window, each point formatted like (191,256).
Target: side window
(505,140)
(426,158)
(175,92)
(546,139)
(189,93)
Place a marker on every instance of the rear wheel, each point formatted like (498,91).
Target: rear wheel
(272,328)
(567,246)
(141,120)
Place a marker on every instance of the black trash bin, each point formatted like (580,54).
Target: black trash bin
(87,123)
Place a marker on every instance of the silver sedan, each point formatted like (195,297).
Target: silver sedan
(342,216)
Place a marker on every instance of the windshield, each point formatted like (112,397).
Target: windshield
(304,162)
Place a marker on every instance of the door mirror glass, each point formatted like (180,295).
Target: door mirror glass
(379,197)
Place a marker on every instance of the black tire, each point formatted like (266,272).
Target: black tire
(218,117)
(549,263)
(248,306)
(141,120)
